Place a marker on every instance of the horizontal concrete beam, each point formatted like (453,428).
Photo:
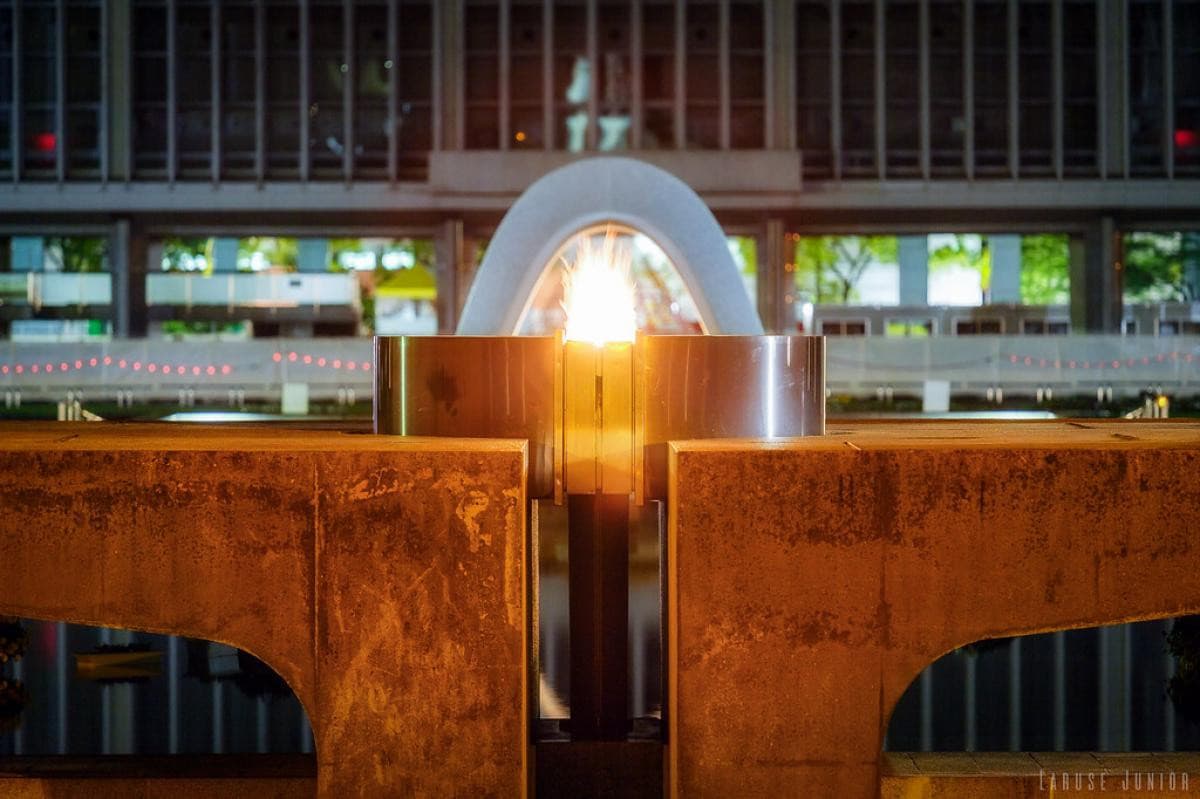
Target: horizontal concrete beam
(811,581)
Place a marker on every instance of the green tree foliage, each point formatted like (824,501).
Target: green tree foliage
(828,268)
(966,251)
(79,253)
(178,253)
(1162,267)
(1045,270)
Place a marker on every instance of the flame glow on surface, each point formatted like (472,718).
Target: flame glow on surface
(598,292)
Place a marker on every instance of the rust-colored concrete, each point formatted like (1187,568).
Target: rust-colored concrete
(811,581)
(1021,775)
(382,578)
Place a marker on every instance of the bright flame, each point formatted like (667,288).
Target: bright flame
(598,292)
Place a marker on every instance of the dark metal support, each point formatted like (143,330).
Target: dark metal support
(598,553)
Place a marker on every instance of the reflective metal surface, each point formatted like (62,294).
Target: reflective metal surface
(473,387)
(726,387)
(684,387)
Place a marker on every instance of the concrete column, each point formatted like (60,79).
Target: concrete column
(913,254)
(1096,278)
(129,255)
(776,296)
(1006,268)
(312,255)
(224,255)
(453,276)
(1191,265)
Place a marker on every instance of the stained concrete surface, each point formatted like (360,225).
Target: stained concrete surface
(810,581)
(382,578)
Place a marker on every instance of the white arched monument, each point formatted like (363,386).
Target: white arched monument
(594,192)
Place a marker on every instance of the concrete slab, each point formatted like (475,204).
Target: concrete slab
(382,578)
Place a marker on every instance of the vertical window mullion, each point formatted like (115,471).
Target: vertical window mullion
(968,70)
(881,89)
(1168,45)
(215,115)
(348,83)
(1014,99)
(504,123)
(304,76)
(60,89)
(172,94)
(393,80)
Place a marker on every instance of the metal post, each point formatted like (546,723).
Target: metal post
(1104,691)
(1168,706)
(218,716)
(970,692)
(61,683)
(1014,695)
(1060,691)
(174,675)
(926,682)
(598,563)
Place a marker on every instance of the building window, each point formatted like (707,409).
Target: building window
(991,89)
(1036,88)
(813,87)
(947,119)
(1080,120)
(193,69)
(1146,109)
(658,75)
(903,90)
(481,75)
(527,85)
(703,94)
(747,122)
(1186,135)
(858,89)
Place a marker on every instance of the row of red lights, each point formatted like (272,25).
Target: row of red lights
(321,361)
(1058,363)
(121,363)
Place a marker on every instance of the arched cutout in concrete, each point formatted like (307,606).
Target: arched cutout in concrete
(592,192)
